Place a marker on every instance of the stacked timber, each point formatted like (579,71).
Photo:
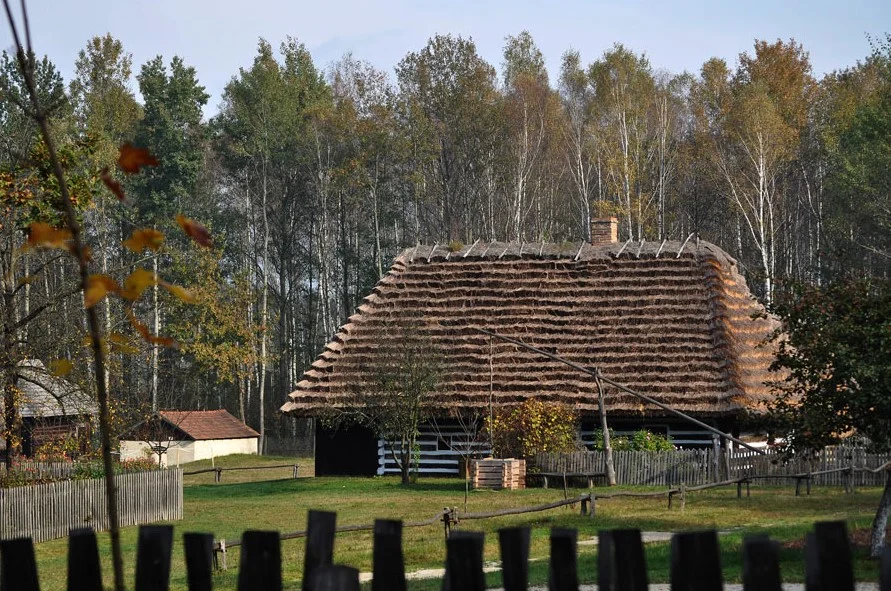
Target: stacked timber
(497,474)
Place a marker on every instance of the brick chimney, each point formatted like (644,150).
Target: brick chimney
(604,230)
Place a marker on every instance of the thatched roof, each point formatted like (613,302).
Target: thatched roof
(676,324)
(45,395)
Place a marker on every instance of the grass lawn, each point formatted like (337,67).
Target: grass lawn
(241,501)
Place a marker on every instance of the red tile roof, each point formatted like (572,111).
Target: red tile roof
(208,424)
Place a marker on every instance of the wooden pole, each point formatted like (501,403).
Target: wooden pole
(623,388)
(607,446)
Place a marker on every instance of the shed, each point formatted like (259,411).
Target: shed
(672,320)
(188,435)
(52,408)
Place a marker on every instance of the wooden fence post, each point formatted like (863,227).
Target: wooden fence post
(761,569)
(260,563)
(199,561)
(387,559)
(828,557)
(320,531)
(18,570)
(563,570)
(696,562)
(464,562)
(84,569)
(621,563)
(153,551)
(514,546)
(885,570)
(335,577)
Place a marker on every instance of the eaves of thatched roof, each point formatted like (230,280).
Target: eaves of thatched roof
(672,320)
(44,395)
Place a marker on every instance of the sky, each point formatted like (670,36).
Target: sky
(219,37)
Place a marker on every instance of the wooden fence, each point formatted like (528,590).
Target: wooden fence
(698,466)
(695,560)
(40,470)
(664,468)
(744,463)
(49,511)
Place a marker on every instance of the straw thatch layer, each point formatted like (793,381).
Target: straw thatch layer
(676,324)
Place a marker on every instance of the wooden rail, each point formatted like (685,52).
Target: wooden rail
(219,470)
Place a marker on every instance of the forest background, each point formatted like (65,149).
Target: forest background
(311,181)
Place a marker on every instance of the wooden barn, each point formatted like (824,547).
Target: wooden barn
(672,320)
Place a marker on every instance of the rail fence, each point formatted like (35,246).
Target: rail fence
(218,470)
(49,511)
(695,560)
(700,466)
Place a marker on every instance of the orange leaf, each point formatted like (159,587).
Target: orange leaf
(60,367)
(137,282)
(181,292)
(98,287)
(144,238)
(41,234)
(113,186)
(88,252)
(196,231)
(143,330)
(121,344)
(131,158)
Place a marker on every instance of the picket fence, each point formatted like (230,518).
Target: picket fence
(695,560)
(698,466)
(50,511)
(41,470)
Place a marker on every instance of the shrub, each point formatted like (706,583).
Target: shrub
(533,427)
(455,245)
(59,449)
(641,440)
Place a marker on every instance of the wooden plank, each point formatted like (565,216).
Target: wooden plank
(153,551)
(696,562)
(514,546)
(320,531)
(464,562)
(260,562)
(621,563)
(834,568)
(84,569)
(199,561)
(335,577)
(885,570)
(761,569)
(18,569)
(387,559)
(563,568)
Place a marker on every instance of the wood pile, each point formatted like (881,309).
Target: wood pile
(498,474)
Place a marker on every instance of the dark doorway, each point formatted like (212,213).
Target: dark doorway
(346,452)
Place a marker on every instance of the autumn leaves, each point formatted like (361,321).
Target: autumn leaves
(42,235)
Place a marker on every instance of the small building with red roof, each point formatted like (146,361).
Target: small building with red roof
(179,436)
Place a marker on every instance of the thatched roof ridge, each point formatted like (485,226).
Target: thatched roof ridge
(673,320)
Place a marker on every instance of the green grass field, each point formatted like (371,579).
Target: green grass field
(272,500)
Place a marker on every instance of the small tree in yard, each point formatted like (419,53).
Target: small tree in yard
(395,398)
(836,350)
